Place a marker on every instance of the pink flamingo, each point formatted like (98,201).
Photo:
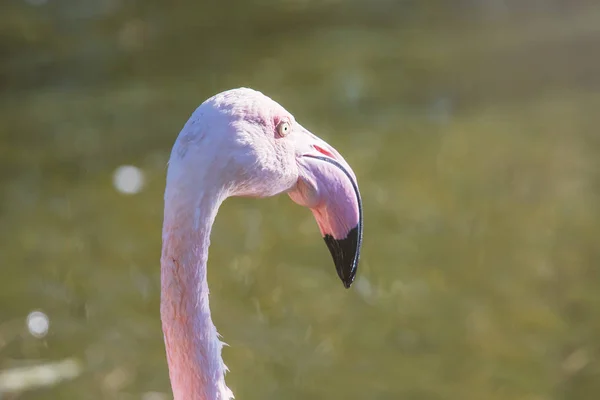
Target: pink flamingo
(239,143)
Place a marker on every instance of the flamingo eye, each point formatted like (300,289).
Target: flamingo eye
(283,128)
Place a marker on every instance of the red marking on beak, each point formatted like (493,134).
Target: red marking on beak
(323,151)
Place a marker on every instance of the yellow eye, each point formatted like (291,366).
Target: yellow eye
(283,129)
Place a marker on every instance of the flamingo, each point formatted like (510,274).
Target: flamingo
(239,143)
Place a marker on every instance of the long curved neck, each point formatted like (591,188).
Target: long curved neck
(193,348)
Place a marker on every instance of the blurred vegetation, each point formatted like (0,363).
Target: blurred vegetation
(472,127)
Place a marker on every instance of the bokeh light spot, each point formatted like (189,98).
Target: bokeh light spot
(128,179)
(38,324)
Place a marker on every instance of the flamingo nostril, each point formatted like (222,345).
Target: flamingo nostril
(323,151)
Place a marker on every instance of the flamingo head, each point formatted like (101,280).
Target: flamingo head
(257,149)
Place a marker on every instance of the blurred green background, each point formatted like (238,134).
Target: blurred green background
(472,126)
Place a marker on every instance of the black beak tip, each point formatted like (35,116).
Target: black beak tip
(347,282)
(345,253)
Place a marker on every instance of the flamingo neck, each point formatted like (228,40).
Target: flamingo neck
(192,344)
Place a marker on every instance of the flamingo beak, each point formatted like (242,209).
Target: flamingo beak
(327,185)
